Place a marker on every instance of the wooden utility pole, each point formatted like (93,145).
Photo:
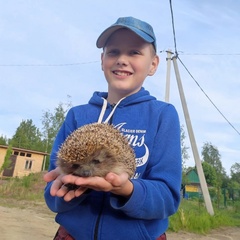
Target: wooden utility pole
(169,59)
(198,163)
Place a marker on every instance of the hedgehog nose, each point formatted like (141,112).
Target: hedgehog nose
(86,173)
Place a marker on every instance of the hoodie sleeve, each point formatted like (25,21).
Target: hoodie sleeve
(157,194)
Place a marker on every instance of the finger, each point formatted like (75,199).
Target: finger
(62,191)
(69,196)
(56,185)
(95,183)
(74,193)
(84,181)
(80,191)
(50,176)
(70,179)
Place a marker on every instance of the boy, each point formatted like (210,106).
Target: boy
(115,207)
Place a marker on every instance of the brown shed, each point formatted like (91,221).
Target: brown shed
(23,161)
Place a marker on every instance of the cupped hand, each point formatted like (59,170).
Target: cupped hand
(59,188)
(117,184)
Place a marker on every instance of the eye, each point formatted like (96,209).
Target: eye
(135,52)
(75,166)
(112,52)
(95,161)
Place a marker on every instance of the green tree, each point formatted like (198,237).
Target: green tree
(7,161)
(233,185)
(235,172)
(212,156)
(3,140)
(27,136)
(185,157)
(51,123)
(184,148)
(210,174)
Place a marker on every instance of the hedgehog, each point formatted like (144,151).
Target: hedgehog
(94,150)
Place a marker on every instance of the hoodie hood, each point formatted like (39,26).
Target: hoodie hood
(141,96)
(99,98)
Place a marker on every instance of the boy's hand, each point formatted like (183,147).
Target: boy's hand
(117,184)
(58,187)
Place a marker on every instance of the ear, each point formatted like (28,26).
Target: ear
(154,65)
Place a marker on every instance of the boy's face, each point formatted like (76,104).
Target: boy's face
(126,61)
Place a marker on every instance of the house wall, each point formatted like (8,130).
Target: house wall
(26,161)
(192,191)
(26,165)
(2,155)
(191,188)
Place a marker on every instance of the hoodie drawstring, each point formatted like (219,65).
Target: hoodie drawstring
(104,107)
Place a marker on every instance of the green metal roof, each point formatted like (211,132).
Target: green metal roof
(193,177)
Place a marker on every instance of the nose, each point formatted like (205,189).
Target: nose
(86,173)
(122,60)
(82,171)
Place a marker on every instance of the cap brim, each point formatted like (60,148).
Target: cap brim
(101,41)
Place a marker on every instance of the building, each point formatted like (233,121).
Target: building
(193,188)
(23,161)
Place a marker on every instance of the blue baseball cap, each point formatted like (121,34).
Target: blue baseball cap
(141,28)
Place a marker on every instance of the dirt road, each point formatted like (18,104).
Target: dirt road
(37,223)
(26,224)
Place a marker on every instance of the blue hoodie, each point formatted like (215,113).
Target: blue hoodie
(153,130)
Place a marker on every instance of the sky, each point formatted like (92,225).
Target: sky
(48,55)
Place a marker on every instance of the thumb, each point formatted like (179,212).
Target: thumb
(112,178)
(116,180)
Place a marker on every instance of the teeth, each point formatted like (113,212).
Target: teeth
(120,73)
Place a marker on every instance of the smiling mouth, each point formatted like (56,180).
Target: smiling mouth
(122,73)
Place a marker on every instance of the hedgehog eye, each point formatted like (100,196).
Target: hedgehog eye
(75,166)
(95,161)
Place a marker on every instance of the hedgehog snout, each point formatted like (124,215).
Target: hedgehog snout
(83,171)
(86,173)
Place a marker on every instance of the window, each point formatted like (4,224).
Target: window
(29,155)
(22,154)
(28,164)
(16,153)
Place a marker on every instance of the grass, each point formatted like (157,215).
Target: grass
(190,217)
(193,217)
(27,188)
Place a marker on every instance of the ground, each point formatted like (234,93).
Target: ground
(34,221)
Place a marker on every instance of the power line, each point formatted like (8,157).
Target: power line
(208,97)
(46,65)
(173,28)
(212,54)
(91,62)
(177,56)
(203,54)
